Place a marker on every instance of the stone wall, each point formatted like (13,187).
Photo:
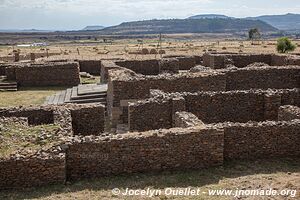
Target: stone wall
(263,78)
(150,115)
(35,115)
(211,107)
(30,172)
(90,66)
(288,112)
(88,119)
(169,65)
(106,66)
(172,149)
(125,85)
(145,67)
(261,140)
(2,69)
(219,61)
(186,63)
(47,74)
(76,119)
(10,71)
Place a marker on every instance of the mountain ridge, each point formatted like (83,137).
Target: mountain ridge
(166,26)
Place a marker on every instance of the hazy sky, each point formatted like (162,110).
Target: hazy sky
(76,14)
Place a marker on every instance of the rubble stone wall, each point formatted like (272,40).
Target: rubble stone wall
(211,107)
(288,112)
(171,149)
(261,140)
(263,78)
(105,67)
(219,61)
(145,67)
(90,66)
(187,63)
(35,115)
(120,87)
(48,74)
(88,119)
(31,172)
(150,115)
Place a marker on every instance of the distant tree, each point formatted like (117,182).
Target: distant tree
(285,45)
(254,34)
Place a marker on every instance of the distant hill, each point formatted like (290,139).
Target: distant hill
(283,22)
(188,26)
(209,16)
(93,28)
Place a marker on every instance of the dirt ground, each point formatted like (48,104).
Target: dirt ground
(127,48)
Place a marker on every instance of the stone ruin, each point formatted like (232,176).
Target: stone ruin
(175,113)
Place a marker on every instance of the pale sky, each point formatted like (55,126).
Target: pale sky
(76,14)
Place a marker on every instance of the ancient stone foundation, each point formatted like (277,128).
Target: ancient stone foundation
(175,115)
(150,151)
(46,74)
(90,66)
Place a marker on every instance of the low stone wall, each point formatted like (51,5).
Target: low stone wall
(210,107)
(33,171)
(150,115)
(74,118)
(261,140)
(90,66)
(122,82)
(46,74)
(186,63)
(106,66)
(219,61)
(169,65)
(145,67)
(35,115)
(88,119)
(10,71)
(263,78)
(287,113)
(2,69)
(172,149)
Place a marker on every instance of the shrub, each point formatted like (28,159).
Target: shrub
(285,45)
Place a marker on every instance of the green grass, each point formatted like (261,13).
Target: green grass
(16,136)
(27,96)
(85,80)
(261,174)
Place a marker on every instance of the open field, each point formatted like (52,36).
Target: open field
(127,48)
(261,174)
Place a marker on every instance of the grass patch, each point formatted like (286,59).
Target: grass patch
(27,96)
(16,137)
(86,80)
(261,174)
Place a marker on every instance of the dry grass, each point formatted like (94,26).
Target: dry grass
(27,96)
(17,137)
(86,80)
(172,46)
(261,174)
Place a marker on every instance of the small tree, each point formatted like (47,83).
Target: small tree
(254,34)
(285,45)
